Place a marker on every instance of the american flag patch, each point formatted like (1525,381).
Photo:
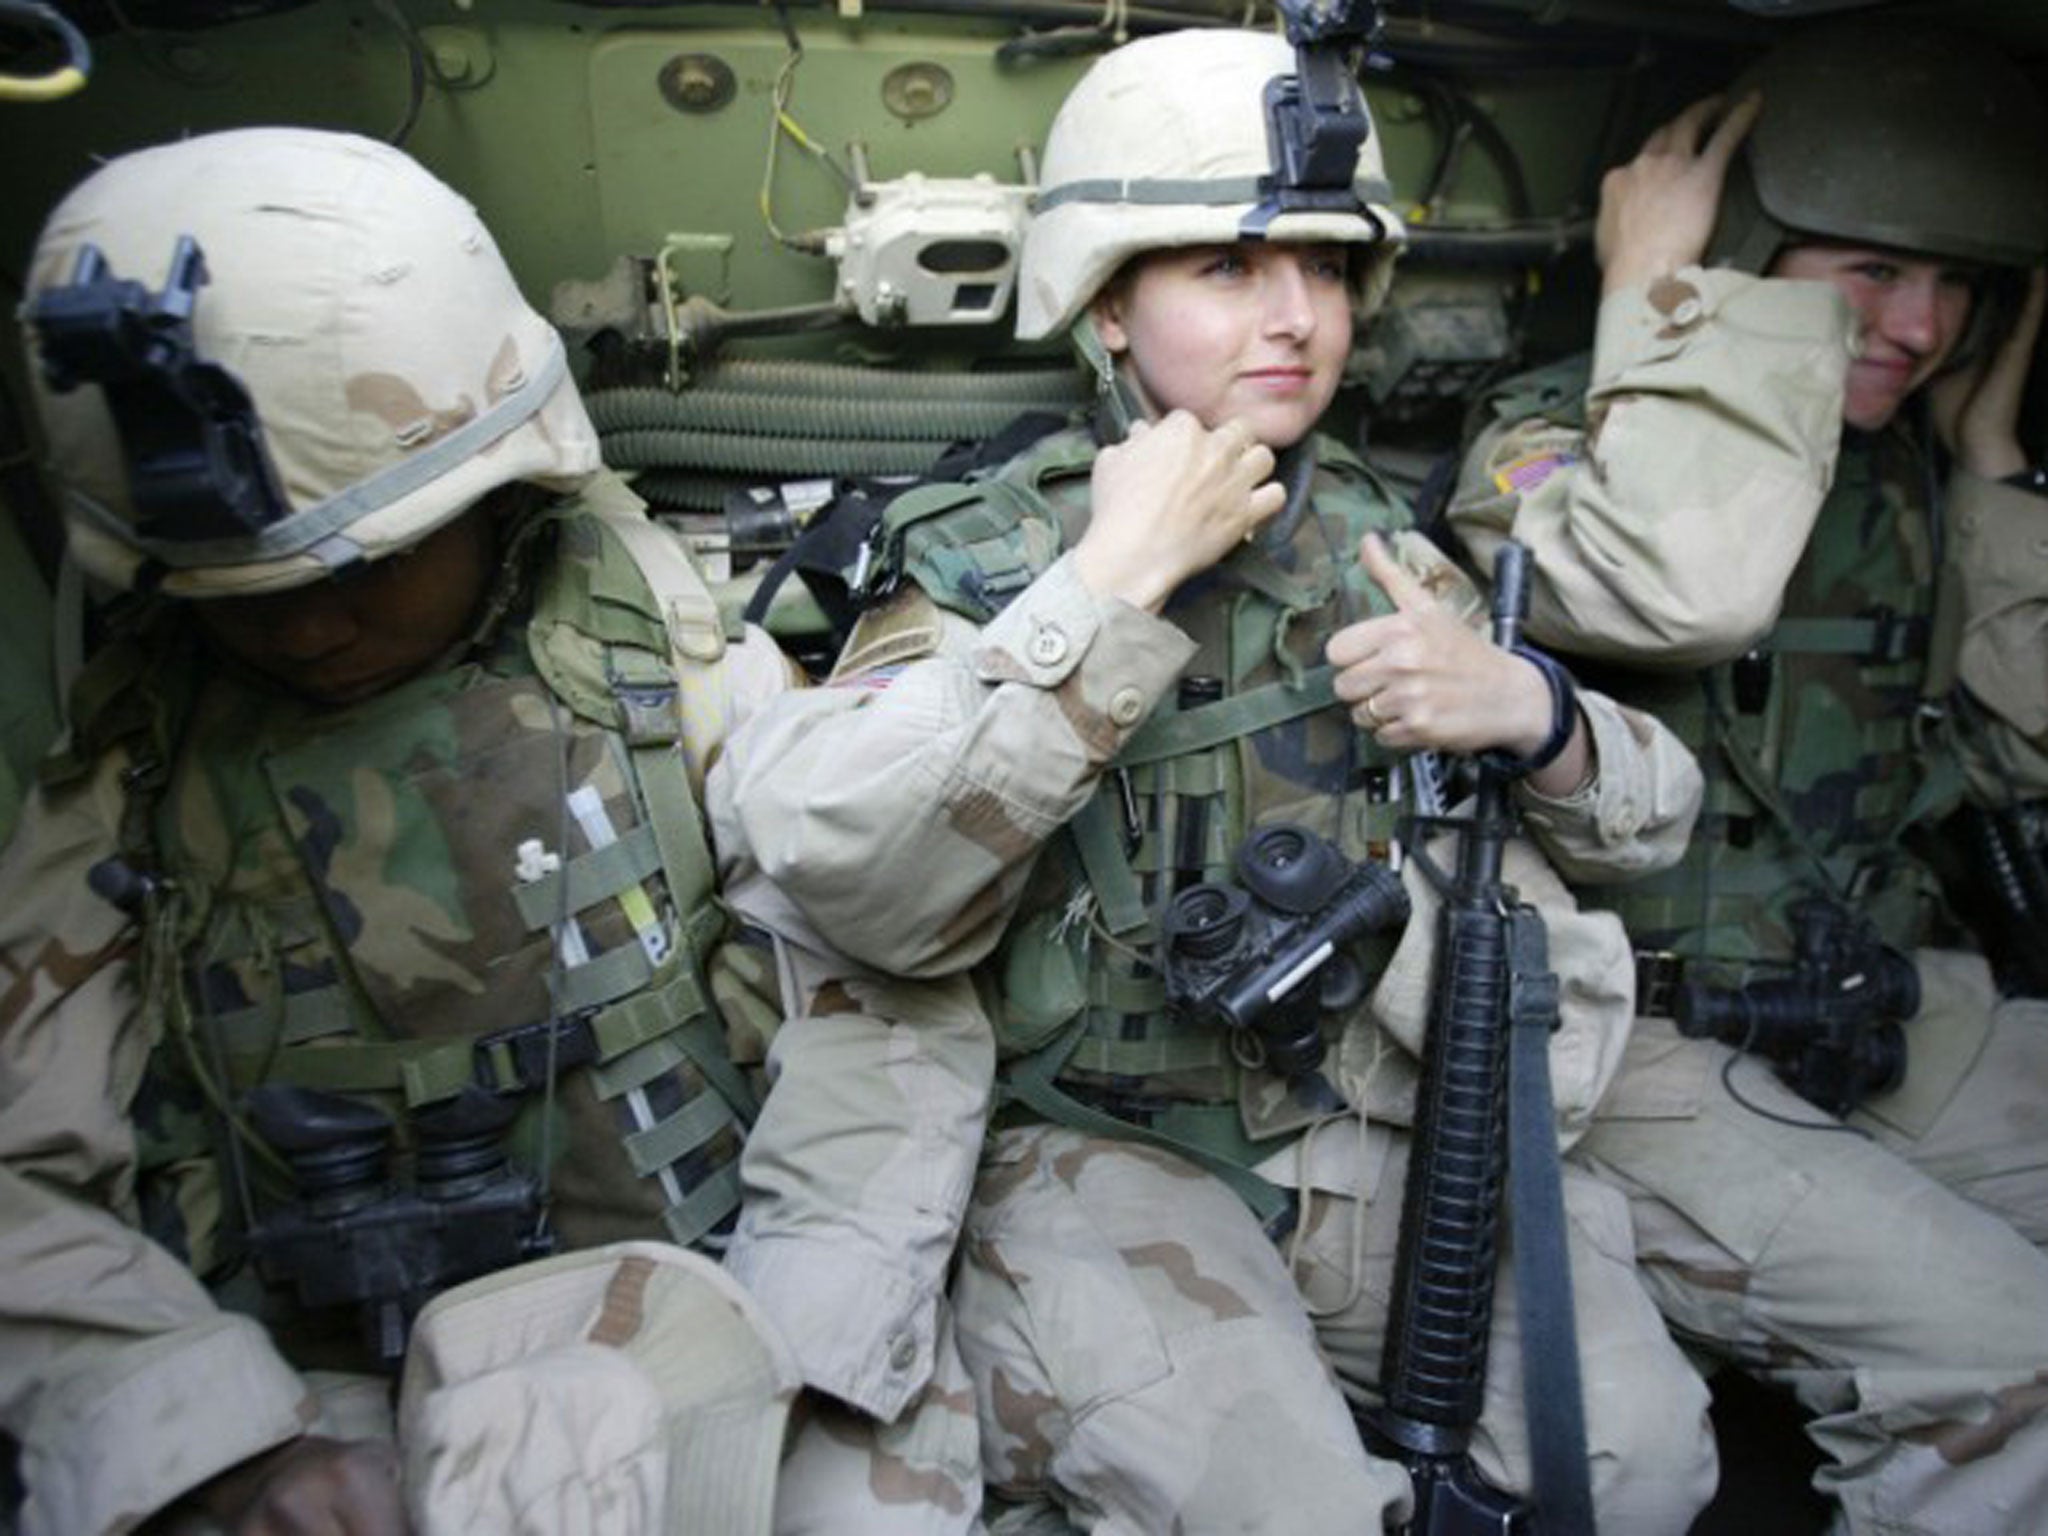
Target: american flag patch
(875,679)
(1524,475)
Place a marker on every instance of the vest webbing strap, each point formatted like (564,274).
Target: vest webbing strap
(637,1068)
(593,876)
(1877,640)
(1209,1136)
(426,1071)
(678,831)
(656,1147)
(672,812)
(1211,725)
(1933,788)
(696,627)
(301,1016)
(705,1206)
(702,1040)
(1751,774)
(1125,994)
(622,969)
(1167,1049)
(1098,839)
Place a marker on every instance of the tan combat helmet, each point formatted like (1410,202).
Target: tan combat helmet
(1164,143)
(1917,137)
(270,353)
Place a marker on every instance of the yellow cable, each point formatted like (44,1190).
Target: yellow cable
(50,87)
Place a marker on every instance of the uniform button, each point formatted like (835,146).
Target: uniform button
(1688,311)
(1048,647)
(1126,706)
(903,1353)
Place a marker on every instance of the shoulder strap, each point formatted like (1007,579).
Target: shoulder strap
(1556,391)
(974,546)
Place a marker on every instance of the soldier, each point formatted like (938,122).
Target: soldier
(980,788)
(372,828)
(1784,505)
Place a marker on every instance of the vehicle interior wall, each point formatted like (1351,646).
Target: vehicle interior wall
(630,161)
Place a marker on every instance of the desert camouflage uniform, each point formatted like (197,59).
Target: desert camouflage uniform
(1140,1349)
(347,912)
(1684,508)
(853,1184)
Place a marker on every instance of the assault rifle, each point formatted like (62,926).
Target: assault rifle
(1492,979)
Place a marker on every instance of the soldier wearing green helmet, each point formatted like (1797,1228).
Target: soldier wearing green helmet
(1784,504)
(362,933)
(1084,680)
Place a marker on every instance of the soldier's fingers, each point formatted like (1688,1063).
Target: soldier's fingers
(1683,131)
(1729,133)
(1408,593)
(2027,329)
(1349,646)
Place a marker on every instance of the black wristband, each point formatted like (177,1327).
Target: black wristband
(2033,480)
(1564,719)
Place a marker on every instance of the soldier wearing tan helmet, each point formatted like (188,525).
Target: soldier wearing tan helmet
(1084,680)
(361,932)
(1784,504)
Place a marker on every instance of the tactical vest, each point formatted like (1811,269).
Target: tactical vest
(493,876)
(1255,736)
(1823,744)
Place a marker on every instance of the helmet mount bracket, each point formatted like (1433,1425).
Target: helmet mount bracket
(1315,118)
(195,460)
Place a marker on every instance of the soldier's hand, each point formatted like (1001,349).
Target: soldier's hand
(311,1486)
(1657,211)
(1170,501)
(1977,407)
(1421,677)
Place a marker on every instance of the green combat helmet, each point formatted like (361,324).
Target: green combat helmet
(1920,138)
(242,393)
(1165,143)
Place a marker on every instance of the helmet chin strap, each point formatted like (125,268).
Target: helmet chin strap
(1119,398)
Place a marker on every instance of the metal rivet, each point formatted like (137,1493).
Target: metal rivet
(912,91)
(697,82)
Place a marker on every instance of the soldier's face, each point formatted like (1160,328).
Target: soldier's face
(1251,332)
(1910,312)
(353,636)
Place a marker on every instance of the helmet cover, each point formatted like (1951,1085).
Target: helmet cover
(395,372)
(1163,143)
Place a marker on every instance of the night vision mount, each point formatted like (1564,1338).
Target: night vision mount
(1316,116)
(197,469)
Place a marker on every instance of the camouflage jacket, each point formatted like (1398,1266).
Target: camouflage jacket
(1665,499)
(909,812)
(1692,498)
(345,907)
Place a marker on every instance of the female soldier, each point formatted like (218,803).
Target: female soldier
(1097,670)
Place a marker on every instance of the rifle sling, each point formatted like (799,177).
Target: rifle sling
(1551,1393)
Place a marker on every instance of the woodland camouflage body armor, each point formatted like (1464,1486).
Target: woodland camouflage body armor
(1823,746)
(361,901)
(1256,738)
